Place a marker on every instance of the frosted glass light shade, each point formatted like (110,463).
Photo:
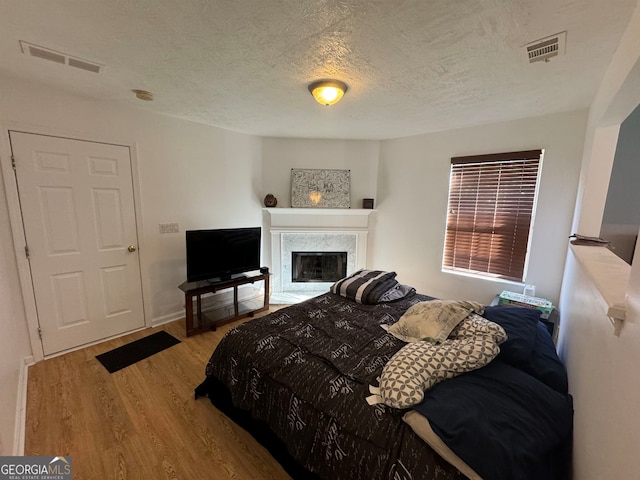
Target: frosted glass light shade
(327,92)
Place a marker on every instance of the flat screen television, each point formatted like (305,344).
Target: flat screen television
(221,253)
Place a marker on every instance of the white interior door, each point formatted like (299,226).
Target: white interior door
(79,221)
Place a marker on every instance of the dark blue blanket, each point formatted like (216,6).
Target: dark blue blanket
(513,419)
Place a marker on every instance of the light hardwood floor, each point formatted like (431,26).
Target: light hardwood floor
(141,422)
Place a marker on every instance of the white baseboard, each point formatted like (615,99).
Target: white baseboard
(172,317)
(21,407)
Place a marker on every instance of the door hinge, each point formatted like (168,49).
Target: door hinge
(13,163)
(26,251)
(40,333)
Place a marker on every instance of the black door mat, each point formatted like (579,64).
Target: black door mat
(133,352)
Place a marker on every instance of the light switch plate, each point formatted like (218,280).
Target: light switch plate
(169,228)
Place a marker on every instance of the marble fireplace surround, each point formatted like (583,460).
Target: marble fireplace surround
(313,230)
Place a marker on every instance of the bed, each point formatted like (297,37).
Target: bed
(298,380)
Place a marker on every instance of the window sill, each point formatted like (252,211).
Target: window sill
(477,276)
(610,274)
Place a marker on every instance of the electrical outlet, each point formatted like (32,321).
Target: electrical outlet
(169,228)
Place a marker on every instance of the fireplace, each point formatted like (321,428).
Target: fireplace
(313,242)
(318,231)
(318,266)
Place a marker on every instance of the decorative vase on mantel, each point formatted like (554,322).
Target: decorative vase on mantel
(270,201)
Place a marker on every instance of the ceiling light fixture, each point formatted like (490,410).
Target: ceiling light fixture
(143,95)
(327,92)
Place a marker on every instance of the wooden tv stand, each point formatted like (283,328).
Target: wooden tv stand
(196,322)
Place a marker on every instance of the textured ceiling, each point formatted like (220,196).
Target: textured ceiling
(412,66)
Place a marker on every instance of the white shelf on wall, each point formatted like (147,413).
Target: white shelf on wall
(321,218)
(610,274)
(320,211)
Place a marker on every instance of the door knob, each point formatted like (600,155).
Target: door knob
(132,248)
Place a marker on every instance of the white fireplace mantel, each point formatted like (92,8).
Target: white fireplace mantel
(319,218)
(314,229)
(320,211)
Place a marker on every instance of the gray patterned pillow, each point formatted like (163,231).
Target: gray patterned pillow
(432,320)
(476,325)
(418,366)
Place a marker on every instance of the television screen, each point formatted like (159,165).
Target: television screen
(220,253)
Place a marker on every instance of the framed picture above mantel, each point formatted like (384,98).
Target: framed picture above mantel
(320,188)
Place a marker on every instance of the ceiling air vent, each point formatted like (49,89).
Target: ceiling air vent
(59,57)
(546,48)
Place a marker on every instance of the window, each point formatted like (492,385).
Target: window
(491,203)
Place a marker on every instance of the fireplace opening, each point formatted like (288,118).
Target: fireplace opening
(318,266)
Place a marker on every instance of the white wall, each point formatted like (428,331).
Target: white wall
(280,155)
(602,379)
(412,202)
(192,174)
(14,340)
(602,367)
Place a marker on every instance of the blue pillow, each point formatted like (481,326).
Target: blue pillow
(529,346)
(520,325)
(501,421)
(544,363)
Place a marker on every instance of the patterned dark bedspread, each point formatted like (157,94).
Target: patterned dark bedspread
(305,371)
